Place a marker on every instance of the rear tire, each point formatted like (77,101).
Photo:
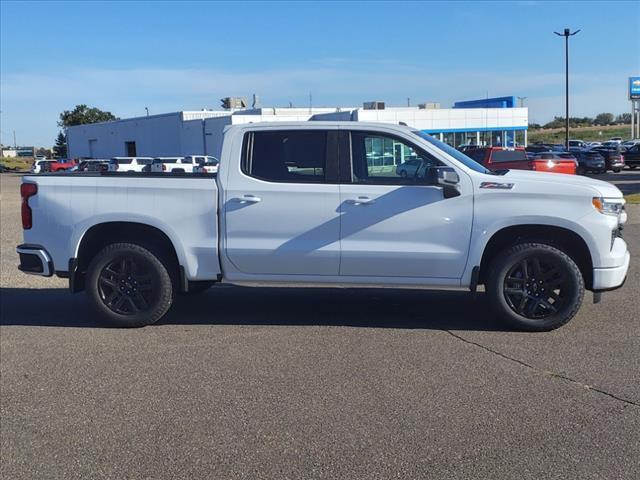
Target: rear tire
(535,287)
(616,170)
(129,285)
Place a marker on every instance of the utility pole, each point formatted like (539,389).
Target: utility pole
(15,145)
(567,33)
(522,99)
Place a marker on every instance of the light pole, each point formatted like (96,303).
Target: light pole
(567,33)
(522,99)
(147,109)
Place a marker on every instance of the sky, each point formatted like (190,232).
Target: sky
(172,56)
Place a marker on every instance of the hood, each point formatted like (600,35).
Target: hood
(600,188)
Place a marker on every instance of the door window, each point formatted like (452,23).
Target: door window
(387,160)
(294,156)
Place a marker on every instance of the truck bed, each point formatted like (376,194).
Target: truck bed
(182,205)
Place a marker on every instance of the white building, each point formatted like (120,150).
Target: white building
(482,122)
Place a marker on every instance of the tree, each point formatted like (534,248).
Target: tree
(60,148)
(604,119)
(82,114)
(624,118)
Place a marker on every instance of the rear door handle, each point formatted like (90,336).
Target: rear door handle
(249,199)
(361,201)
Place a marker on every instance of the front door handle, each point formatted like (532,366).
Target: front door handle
(249,199)
(361,201)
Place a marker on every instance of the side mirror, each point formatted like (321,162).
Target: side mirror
(447,178)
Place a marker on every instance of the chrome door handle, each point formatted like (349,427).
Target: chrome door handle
(249,199)
(361,201)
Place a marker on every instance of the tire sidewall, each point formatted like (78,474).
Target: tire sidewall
(162,282)
(573,297)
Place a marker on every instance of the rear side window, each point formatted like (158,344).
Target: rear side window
(294,156)
(122,161)
(498,156)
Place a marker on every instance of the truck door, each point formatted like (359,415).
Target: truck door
(281,204)
(393,222)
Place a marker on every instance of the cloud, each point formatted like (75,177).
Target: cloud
(31,103)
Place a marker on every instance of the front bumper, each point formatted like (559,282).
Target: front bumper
(34,260)
(611,278)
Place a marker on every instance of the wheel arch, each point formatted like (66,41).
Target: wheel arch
(562,238)
(99,235)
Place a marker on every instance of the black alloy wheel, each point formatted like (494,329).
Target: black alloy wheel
(535,287)
(126,286)
(130,284)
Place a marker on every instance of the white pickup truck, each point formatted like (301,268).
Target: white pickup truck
(322,203)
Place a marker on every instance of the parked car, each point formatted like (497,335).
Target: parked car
(93,165)
(629,144)
(411,168)
(172,164)
(593,144)
(632,156)
(613,158)
(516,158)
(610,144)
(577,144)
(589,161)
(62,164)
(129,164)
(41,166)
(617,140)
(206,164)
(299,203)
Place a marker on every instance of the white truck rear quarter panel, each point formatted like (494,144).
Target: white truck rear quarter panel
(184,209)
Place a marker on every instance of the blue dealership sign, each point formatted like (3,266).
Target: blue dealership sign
(634,88)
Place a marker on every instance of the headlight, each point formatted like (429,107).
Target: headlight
(608,206)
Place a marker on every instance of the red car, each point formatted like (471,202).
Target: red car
(497,158)
(62,164)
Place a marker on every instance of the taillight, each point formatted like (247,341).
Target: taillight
(27,190)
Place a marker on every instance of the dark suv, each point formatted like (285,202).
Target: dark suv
(589,161)
(613,158)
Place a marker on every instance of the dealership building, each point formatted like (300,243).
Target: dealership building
(491,121)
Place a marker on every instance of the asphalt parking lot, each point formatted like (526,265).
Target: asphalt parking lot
(315,383)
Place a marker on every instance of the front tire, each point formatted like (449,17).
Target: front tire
(129,285)
(535,287)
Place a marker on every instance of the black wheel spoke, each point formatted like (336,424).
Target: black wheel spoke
(548,305)
(514,291)
(108,282)
(140,302)
(127,286)
(537,270)
(525,268)
(534,286)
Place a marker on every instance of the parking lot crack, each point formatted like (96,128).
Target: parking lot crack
(545,373)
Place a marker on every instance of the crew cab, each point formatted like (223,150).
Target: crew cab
(516,158)
(309,203)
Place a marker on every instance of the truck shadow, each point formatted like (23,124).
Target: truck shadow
(230,305)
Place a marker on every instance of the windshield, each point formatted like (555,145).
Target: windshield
(461,157)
